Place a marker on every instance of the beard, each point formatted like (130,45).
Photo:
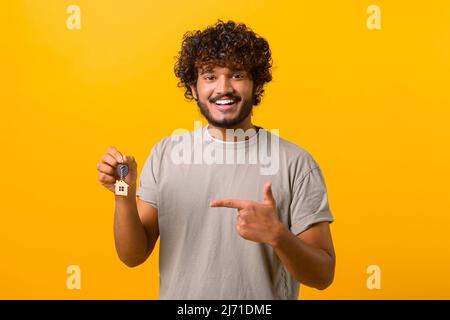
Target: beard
(245,111)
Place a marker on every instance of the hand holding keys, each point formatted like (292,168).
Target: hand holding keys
(113,169)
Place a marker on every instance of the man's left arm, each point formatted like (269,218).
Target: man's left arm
(309,256)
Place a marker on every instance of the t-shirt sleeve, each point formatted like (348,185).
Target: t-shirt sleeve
(148,180)
(309,201)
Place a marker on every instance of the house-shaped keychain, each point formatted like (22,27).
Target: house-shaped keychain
(121,188)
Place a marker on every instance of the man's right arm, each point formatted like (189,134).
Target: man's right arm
(135,229)
(135,221)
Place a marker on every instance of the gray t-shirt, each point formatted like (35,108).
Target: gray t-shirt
(201,255)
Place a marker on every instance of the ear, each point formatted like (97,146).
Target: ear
(194,92)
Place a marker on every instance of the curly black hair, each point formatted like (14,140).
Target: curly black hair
(224,44)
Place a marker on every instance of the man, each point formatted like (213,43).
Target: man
(228,229)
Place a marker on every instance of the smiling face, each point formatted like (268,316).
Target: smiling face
(224,96)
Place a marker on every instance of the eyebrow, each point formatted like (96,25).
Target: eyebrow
(212,71)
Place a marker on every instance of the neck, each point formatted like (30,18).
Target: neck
(220,133)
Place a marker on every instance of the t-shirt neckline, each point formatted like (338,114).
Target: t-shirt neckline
(230,144)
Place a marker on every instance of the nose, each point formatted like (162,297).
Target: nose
(224,86)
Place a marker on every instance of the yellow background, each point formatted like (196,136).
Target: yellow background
(372,107)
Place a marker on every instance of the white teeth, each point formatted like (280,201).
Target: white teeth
(224,101)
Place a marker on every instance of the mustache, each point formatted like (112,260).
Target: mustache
(234,97)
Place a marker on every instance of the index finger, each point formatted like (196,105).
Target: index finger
(229,203)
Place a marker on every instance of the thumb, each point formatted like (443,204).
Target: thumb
(268,196)
(129,160)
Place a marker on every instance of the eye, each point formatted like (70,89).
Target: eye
(239,76)
(208,77)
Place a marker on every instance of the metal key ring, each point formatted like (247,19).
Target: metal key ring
(122,170)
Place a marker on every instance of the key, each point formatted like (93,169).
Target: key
(122,170)
(121,186)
